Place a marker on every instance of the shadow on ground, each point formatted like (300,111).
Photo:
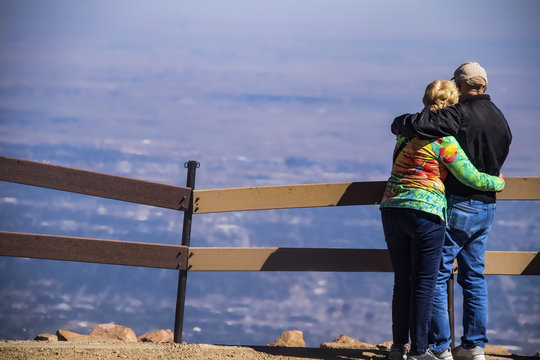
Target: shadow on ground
(351,354)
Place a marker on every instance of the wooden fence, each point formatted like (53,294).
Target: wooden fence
(185,258)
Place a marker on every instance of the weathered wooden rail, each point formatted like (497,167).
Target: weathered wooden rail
(186,258)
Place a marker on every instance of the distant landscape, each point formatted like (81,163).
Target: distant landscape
(260,94)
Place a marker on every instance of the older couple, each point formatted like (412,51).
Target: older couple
(438,206)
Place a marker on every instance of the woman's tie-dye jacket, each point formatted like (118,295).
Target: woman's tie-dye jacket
(420,169)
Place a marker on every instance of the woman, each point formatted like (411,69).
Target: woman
(413,211)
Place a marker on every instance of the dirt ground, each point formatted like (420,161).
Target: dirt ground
(33,350)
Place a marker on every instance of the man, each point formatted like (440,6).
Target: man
(483,132)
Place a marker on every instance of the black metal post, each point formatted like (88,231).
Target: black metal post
(186,237)
(450,291)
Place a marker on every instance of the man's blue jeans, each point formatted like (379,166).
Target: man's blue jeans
(414,240)
(469,222)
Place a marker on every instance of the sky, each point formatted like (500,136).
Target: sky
(260,93)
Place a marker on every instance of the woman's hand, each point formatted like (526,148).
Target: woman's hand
(502,178)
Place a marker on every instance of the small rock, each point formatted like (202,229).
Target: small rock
(344,339)
(291,338)
(347,342)
(113,332)
(496,350)
(46,337)
(65,335)
(385,345)
(159,336)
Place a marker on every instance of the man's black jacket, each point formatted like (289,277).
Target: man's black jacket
(480,128)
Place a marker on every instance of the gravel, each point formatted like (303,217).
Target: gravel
(33,350)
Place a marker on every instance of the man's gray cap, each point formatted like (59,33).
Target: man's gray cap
(469,70)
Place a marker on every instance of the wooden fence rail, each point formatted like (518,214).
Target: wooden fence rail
(185,258)
(333,194)
(94,183)
(101,251)
(232,258)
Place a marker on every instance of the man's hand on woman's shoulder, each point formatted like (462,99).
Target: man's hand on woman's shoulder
(428,124)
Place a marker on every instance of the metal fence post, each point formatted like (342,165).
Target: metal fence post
(450,291)
(186,237)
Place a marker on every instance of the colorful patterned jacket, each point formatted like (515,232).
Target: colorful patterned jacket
(418,173)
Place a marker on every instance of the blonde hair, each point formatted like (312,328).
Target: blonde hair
(440,94)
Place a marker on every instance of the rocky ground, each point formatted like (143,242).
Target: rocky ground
(110,341)
(33,350)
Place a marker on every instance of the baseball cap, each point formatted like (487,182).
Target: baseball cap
(469,70)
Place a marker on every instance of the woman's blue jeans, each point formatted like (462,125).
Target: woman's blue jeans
(469,222)
(414,239)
